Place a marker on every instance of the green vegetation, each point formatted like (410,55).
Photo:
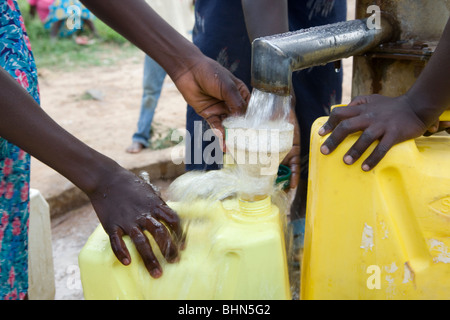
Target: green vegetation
(161,137)
(64,53)
(107,49)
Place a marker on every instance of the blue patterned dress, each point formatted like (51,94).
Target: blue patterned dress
(17,59)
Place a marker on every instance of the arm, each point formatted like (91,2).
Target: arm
(212,90)
(123,203)
(265,17)
(393,120)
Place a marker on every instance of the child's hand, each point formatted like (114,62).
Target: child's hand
(378,118)
(126,205)
(213,92)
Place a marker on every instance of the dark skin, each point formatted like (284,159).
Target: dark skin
(124,204)
(274,13)
(378,117)
(183,62)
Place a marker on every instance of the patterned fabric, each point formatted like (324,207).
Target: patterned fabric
(221,34)
(17,59)
(42,7)
(73,10)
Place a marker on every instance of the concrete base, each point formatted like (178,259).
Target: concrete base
(40,257)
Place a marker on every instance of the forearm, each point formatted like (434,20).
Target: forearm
(265,17)
(143,27)
(430,95)
(25,124)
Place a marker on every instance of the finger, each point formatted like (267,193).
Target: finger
(244,91)
(378,153)
(358,101)
(215,122)
(360,146)
(295,176)
(220,135)
(444,125)
(438,127)
(342,130)
(118,246)
(144,248)
(162,237)
(338,115)
(214,108)
(293,163)
(433,128)
(185,233)
(234,94)
(164,213)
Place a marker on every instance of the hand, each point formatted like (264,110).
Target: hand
(388,120)
(126,205)
(213,92)
(292,160)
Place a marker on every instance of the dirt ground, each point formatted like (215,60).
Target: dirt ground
(105,120)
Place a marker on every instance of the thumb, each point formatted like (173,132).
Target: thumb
(359,100)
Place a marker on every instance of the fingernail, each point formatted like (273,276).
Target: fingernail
(156,273)
(125,261)
(348,159)
(324,149)
(322,131)
(365,167)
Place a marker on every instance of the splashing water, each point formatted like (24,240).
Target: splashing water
(267,120)
(266,107)
(262,137)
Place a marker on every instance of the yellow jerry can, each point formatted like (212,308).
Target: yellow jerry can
(235,250)
(383,234)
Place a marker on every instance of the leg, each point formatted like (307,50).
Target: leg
(55,29)
(91,26)
(152,85)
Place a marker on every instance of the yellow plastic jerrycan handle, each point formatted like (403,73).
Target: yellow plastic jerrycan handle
(444,117)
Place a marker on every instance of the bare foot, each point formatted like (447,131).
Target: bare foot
(84,40)
(135,147)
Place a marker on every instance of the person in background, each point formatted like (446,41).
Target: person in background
(41,7)
(225,30)
(124,204)
(393,120)
(67,17)
(178,14)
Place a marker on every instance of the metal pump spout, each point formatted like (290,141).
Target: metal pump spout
(274,58)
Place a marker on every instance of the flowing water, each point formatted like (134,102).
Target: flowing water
(256,144)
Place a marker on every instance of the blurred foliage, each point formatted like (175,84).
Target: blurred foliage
(161,136)
(105,49)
